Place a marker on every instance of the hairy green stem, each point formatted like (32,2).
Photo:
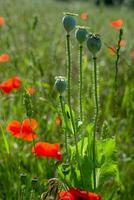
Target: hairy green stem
(69,101)
(80,84)
(96,120)
(65,120)
(117,57)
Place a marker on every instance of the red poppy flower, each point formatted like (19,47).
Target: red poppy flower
(4,57)
(117,23)
(112,50)
(132,54)
(24,130)
(11,84)
(2,21)
(44,149)
(84,16)
(77,194)
(58,121)
(66,196)
(123,43)
(30,90)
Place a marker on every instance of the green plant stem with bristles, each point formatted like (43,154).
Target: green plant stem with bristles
(96,120)
(80,84)
(69,101)
(69,82)
(117,57)
(65,120)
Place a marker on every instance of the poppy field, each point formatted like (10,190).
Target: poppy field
(66,101)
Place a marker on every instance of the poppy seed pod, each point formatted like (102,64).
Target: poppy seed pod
(60,84)
(81,34)
(93,43)
(69,23)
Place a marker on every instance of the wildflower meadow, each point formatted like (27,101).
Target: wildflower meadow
(66,100)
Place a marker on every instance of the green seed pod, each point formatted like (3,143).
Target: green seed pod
(81,34)
(93,43)
(60,84)
(69,23)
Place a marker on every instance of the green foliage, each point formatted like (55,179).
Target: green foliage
(34,39)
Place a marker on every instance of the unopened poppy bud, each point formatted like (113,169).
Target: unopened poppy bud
(69,23)
(23,178)
(93,43)
(81,34)
(34,183)
(60,84)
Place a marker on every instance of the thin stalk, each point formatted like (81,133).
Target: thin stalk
(80,84)
(117,57)
(96,120)
(33,141)
(69,101)
(65,120)
(69,82)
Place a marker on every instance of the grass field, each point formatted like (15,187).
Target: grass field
(34,38)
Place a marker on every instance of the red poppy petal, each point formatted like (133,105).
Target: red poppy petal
(84,16)
(14,127)
(29,136)
(28,125)
(94,196)
(117,23)
(4,58)
(7,86)
(44,149)
(2,21)
(16,82)
(66,196)
(77,193)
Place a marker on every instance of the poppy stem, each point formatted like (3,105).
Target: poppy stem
(69,101)
(80,84)
(96,120)
(118,57)
(65,120)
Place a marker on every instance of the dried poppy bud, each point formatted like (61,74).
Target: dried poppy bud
(69,23)
(94,43)
(60,84)
(81,34)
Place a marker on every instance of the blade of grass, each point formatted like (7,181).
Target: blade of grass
(5,140)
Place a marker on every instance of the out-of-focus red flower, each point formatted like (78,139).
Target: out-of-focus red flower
(66,196)
(58,121)
(132,54)
(123,43)
(84,16)
(4,57)
(30,90)
(117,23)
(77,194)
(45,149)
(10,84)
(24,130)
(112,50)
(2,21)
